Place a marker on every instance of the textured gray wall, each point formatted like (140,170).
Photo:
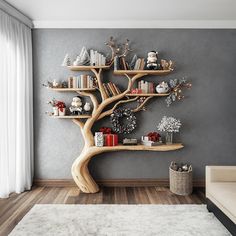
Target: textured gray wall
(208,113)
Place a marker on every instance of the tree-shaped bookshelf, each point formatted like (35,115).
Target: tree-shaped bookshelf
(79,168)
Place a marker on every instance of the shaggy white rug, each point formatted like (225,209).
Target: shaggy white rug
(119,220)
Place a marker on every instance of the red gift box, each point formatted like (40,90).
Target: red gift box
(111,140)
(105,130)
(154,136)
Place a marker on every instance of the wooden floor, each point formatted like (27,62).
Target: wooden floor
(14,208)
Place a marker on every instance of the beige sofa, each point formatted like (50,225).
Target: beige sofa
(221,194)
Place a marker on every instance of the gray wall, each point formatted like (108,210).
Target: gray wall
(206,57)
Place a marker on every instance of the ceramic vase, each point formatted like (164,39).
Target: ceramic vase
(62,112)
(55,111)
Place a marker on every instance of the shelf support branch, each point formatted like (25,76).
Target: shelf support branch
(141,105)
(79,123)
(109,112)
(100,85)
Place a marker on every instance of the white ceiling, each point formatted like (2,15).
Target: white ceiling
(69,13)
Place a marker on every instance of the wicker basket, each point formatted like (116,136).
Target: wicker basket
(181,183)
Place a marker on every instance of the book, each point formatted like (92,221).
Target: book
(105,89)
(110,84)
(117,63)
(116,89)
(137,64)
(123,63)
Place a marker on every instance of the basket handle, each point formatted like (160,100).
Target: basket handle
(190,168)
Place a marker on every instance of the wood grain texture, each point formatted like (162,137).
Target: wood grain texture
(113,183)
(13,209)
(79,169)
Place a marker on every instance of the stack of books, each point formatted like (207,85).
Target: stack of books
(82,81)
(146,87)
(97,59)
(121,64)
(111,89)
(139,64)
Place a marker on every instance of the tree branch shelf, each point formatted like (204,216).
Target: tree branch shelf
(147,94)
(72,89)
(72,117)
(79,169)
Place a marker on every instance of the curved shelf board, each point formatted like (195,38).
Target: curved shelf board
(145,72)
(86,68)
(147,94)
(71,117)
(72,89)
(160,148)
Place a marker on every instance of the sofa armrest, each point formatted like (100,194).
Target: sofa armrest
(220,174)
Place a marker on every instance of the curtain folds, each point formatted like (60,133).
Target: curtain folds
(16,106)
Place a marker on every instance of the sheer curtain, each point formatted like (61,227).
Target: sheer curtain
(16,106)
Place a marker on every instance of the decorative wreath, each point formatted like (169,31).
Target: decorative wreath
(116,121)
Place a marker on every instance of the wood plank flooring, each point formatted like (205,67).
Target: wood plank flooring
(13,209)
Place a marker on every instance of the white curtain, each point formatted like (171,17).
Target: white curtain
(16,106)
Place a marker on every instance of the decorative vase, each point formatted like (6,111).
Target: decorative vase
(169,137)
(62,112)
(98,139)
(55,111)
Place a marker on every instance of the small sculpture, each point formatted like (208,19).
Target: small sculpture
(167,65)
(83,58)
(66,61)
(76,106)
(87,107)
(163,87)
(152,60)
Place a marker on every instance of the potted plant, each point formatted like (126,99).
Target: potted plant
(169,125)
(61,107)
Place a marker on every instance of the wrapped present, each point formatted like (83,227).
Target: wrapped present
(154,136)
(111,140)
(105,130)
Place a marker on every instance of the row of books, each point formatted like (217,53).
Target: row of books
(97,59)
(111,89)
(121,64)
(146,87)
(82,81)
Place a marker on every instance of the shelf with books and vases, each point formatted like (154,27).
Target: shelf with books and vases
(109,102)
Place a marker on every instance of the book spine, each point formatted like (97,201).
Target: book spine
(105,89)
(116,88)
(109,89)
(110,84)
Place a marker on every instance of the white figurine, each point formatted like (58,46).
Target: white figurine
(87,107)
(55,84)
(163,87)
(76,106)
(152,60)
(66,61)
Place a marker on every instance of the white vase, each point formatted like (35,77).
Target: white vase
(55,111)
(63,112)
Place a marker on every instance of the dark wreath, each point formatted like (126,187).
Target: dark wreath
(116,117)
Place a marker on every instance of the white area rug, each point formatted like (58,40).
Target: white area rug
(117,220)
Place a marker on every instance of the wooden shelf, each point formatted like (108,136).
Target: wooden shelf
(160,148)
(71,117)
(146,72)
(86,68)
(147,94)
(72,89)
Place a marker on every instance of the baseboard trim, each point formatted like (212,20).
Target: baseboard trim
(112,182)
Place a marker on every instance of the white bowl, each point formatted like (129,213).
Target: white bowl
(161,89)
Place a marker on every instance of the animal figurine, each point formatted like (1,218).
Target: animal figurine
(152,60)
(167,65)
(76,106)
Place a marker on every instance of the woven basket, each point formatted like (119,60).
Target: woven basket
(181,183)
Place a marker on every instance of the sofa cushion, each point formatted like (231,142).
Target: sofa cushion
(225,194)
